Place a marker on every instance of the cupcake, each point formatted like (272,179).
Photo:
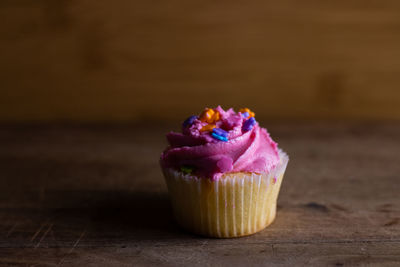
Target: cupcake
(223,173)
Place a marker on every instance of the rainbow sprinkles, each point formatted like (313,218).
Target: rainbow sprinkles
(211,116)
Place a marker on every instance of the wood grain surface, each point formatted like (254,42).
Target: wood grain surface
(93,195)
(101,60)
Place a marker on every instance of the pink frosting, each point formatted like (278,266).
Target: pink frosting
(245,151)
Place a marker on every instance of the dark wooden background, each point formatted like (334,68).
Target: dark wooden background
(88,88)
(127,60)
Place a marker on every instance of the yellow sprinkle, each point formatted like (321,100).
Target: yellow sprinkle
(207,127)
(243,110)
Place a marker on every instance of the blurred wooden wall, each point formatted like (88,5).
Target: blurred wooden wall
(135,59)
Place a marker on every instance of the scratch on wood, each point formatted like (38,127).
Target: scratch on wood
(44,235)
(73,247)
(316,206)
(339,207)
(38,231)
(204,244)
(273,250)
(11,229)
(392,222)
(385,208)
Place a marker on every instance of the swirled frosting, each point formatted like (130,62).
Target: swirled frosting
(246,149)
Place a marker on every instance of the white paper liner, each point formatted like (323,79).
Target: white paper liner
(236,204)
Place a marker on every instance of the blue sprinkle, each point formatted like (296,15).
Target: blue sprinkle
(245,114)
(220,132)
(189,121)
(219,137)
(249,124)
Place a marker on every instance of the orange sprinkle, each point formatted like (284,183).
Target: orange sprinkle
(209,115)
(243,110)
(206,114)
(207,127)
(216,117)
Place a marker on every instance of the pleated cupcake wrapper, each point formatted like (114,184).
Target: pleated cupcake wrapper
(236,204)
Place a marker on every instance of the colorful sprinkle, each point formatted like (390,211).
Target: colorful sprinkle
(245,115)
(216,117)
(210,116)
(207,127)
(220,132)
(189,121)
(206,115)
(274,180)
(218,137)
(186,169)
(244,110)
(249,124)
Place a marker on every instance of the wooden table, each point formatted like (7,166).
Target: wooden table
(93,195)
